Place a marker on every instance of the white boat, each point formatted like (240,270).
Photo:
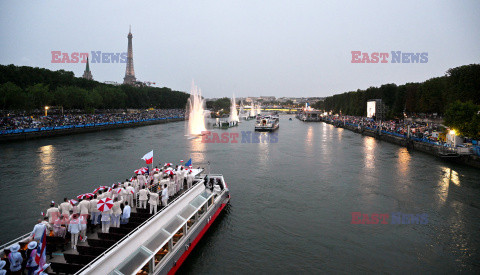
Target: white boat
(158,245)
(267,123)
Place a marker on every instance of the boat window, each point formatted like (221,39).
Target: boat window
(188,211)
(198,201)
(130,264)
(191,222)
(178,235)
(202,210)
(144,271)
(161,253)
(210,202)
(174,224)
(157,240)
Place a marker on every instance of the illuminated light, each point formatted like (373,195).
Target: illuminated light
(452,132)
(46,110)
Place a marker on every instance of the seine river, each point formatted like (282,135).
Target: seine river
(292,200)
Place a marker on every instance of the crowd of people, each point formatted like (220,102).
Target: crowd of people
(23,121)
(421,130)
(152,187)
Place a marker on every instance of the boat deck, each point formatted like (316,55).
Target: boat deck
(65,260)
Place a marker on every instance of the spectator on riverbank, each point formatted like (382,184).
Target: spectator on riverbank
(22,121)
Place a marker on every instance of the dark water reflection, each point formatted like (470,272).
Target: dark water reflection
(291,201)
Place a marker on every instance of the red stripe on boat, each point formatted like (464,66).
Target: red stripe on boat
(195,242)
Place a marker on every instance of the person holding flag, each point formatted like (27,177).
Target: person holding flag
(41,257)
(31,254)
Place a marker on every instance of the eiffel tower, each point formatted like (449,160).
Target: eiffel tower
(129,72)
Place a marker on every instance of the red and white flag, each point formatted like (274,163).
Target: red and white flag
(41,256)
(148,158)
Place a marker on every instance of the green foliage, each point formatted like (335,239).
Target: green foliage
(219,104)
(25,88)
(464,118)
(432,96)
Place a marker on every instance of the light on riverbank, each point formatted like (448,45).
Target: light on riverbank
(46,110)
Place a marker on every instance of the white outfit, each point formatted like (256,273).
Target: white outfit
(106,221)
(116,212)
(38,230)
(94,211)
(153,202)
(129,197)
(52,214)
(74,229)
(126,212)
(165,196)
(155,178)
(189,180)
(65,208)
(141,180)
(142,197)
(84,207)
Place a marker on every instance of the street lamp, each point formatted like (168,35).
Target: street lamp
(46,110)
(452,134)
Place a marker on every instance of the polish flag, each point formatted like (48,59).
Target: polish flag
(148,158)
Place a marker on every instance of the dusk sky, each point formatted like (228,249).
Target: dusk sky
(250,48)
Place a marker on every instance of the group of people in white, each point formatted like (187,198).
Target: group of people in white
(154,187)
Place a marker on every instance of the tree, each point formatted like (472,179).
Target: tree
(40,94)
(463,118)
(10,95)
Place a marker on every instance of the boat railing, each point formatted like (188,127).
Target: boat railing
(3,246)
(200,181)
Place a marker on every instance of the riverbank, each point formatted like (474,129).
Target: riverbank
(412,144)
(79,129)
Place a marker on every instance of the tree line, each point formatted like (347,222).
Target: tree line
(428,97)
(27,88)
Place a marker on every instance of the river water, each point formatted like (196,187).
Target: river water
(292,200)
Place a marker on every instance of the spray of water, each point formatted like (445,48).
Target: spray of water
(196,111)
(233,111)
(252,110)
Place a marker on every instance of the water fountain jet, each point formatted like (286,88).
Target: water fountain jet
(196,112)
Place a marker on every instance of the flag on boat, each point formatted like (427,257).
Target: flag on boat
(41,269)
(105,204)
(189,163)
(148,157)
(41,256)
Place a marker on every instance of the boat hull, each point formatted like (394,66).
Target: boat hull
(266,129)
(185,246)
(197,239)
